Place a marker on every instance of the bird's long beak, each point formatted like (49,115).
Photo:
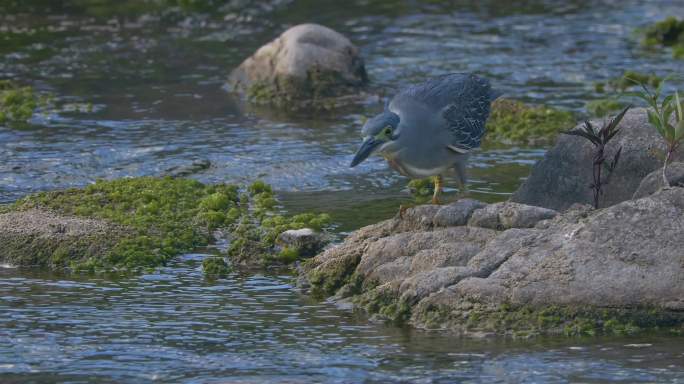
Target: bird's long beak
(367,148)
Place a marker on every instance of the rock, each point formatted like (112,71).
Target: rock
(456,213)
(580,272)
(187,169)
(627,257)
(306,241)
(563,177)
(654,181)
(306,62)
(37,237)
(510,215)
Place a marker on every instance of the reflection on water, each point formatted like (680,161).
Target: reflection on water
(174,326)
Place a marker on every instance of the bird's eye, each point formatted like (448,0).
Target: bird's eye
(388,130)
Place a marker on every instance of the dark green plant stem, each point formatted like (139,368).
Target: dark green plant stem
(599,139)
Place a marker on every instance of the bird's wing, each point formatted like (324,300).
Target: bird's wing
(464,101)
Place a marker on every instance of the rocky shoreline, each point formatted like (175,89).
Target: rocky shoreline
(543,263)
(514,269)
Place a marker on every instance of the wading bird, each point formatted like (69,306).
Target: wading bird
(429,129)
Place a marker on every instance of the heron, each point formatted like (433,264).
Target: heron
(429,129)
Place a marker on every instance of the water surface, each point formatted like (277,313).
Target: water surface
(174,326)
(139,89)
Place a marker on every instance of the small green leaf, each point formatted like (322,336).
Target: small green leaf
(679,130)
(654,119)
(669,132)
(680,116)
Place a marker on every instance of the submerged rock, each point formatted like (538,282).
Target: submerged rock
(185,170)
(582,272)
(562,178)
(306,63)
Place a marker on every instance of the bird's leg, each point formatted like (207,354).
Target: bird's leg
(462,189)
(438,189)
(461,175)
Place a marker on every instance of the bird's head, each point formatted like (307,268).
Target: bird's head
(378,131)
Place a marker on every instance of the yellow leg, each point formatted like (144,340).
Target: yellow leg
(438,189)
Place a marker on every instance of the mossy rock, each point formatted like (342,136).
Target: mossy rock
(148,220)
(309,66)
(526,321)
(514,122)
(214,267)
(37,237)
(319,90)
(17,103)
(328,279)
(666,33)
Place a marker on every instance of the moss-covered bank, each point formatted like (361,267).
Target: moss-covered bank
(156,219)
(475,318)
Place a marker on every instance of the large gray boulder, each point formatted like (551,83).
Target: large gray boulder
(583,271)
(564,175)
(308,61)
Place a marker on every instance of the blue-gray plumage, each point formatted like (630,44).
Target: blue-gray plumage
(428,129)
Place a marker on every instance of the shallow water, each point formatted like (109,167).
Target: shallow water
(173,326)
(154,78)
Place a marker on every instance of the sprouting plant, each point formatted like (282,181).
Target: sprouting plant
(600,138)
(660,116)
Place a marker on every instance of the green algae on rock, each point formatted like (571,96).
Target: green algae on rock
(17,103)
(164,216)
(666,33)
(155,219)
(514,122)
(36,237)
(215,266)
(477,318)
